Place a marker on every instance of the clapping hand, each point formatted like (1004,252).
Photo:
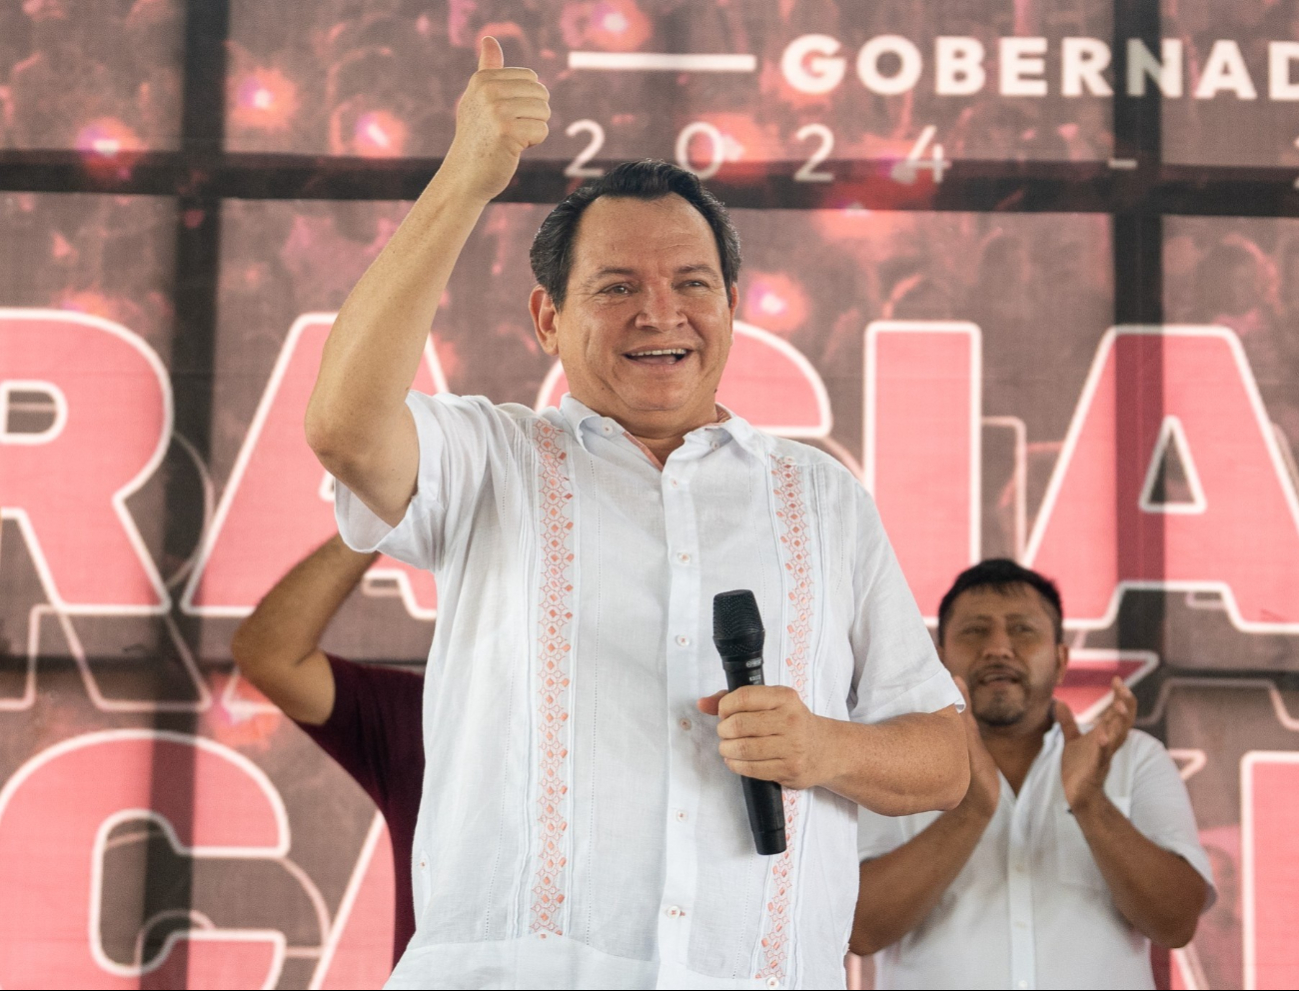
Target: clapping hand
(1085,762)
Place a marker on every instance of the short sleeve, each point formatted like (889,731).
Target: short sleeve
(456,435)
(877,834)
(897,668)
(373,730)
(1161,808)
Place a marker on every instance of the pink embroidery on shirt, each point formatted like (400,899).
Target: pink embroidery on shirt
(795,546)
(553,646)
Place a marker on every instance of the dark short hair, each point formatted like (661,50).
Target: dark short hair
(552,248)
(1003,575)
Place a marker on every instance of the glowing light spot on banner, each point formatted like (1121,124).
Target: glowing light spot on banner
(614,21)
(107,137)
(264,100)
(380,134)
(614,25)
(776,302)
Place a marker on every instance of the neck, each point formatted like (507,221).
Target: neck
(1015,747)
(659,447)
(660,441)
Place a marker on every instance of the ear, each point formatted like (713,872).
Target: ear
(544,312)
(735,299)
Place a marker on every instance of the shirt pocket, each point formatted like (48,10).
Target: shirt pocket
(1074,861)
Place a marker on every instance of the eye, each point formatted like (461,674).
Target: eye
(618,289)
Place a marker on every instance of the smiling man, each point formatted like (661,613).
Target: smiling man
(1070,853)
(583,823)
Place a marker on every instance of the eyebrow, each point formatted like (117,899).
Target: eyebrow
(608,270)
(984,617)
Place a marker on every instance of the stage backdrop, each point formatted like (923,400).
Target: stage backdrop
(947,285)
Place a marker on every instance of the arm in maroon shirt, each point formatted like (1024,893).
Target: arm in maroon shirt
(367,718)
(278,647)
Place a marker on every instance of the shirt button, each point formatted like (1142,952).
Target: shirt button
(423,862)
(685,725)
(682,815)
(772,982)
(683,641)
(673,482)
(716,445)
(607,428)
(683,557)
(673,912)
(1023,984)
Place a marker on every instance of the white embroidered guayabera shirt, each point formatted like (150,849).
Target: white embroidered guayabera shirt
(582,830)
(1030,909)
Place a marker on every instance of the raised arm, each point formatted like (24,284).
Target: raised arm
(357,421)
(277,648)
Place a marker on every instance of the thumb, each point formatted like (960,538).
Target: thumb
(710,703)
(490,55)
(1068,725)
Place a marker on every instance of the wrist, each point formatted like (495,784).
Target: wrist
(462,182)
(1088,803)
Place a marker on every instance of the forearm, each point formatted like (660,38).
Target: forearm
(900,888)
(913,763)
(288,623)
(377,341)
(1158,892)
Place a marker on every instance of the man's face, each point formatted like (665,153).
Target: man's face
(1002,642)
(646,278)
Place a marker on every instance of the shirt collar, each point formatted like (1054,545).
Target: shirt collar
(583,420)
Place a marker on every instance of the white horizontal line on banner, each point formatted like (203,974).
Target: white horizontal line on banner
(661,62)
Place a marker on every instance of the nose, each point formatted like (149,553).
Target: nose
(659,309)
(998,643)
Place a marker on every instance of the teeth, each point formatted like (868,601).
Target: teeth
(647,354)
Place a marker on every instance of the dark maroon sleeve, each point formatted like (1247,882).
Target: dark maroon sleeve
(375,733)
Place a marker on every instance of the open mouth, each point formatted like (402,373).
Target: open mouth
(998,676)
(658,356)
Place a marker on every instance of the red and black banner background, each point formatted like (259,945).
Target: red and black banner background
(1029,269)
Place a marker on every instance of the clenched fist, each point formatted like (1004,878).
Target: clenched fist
(503,111)
(768,733)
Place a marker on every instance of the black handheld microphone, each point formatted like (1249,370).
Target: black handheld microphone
(738,635)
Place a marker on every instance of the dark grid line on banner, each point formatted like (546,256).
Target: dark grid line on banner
(169,880)
(1016,187)
(1138,299)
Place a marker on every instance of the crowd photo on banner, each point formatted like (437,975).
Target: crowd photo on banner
(391,392)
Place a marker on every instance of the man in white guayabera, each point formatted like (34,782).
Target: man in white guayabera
(580,828)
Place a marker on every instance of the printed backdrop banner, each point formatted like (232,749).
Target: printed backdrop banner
(162,825)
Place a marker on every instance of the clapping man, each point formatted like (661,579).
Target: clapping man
(1071,852)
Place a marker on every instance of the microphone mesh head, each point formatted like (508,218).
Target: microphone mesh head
(736,617)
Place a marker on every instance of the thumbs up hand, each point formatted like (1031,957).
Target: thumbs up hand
(502,112)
